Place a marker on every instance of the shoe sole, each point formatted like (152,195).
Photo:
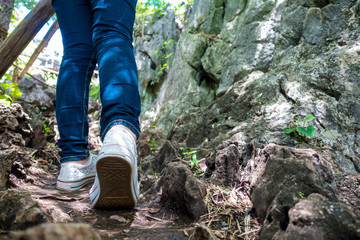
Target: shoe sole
(115,183)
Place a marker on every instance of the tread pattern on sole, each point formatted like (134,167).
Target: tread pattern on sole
(115,179)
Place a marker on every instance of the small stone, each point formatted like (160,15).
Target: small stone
(202,232)
(118,218)
(52,231)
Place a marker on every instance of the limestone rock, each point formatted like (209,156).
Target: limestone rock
(15,126)
(167,154)
(154,46)
(19,211)
(277,217)
(202,232)
(316,217)
(38,139)
(15,163)
(278,167)
(224,163)
(349,191)
(52,231)
(6,164)
(300,57)
(37,94)
(181,189)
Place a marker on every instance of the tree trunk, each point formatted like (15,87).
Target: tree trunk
(39,49)
(16,42)
(5,17)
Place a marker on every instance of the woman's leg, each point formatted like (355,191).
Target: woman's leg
(116,184)
(112,39)
(75,20)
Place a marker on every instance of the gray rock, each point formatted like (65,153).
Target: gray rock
(180,189)
(315,32)
(37,94)
(50,231)
(38,138)
(6,164)
(348,190)
(316,217)
(224,163)
(167,154)
(19,211)
(151,52)
(15,126)
(277,217)
(202,232)
(207,16)
(214,58)
(304,69)
(278,167)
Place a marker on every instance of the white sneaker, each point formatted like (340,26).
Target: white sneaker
(116,183)
(74,176)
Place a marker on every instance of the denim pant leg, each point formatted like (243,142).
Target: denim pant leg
(76,69)
(112,39)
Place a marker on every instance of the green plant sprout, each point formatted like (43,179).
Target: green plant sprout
(301,130)
(47,130)
(154,145)
(258,97)
(192,160)
(301,194)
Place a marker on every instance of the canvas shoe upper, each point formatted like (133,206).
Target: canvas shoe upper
(74,176)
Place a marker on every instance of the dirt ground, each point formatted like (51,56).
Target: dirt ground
(150,219)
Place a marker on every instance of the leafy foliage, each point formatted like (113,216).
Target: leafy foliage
(146,12)
(191,157)
(28,4)
(8,90)
(167,46)
(94,91)
(300,129)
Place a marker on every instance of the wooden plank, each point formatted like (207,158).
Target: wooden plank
(40,47)
(17,41)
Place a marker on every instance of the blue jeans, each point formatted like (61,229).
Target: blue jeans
(95,31)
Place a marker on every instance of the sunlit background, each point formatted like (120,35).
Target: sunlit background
(55,44)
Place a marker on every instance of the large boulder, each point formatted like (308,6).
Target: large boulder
(224,163)
(278,167)
(349,191)
(273,61)
(37,94)
(154,44)
(182,190)
(19,211)
(15,126)
(317,218)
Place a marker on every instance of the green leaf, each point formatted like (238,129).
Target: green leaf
(309,131)
(5,99)
(5,85)
(309,117)
(15,92)
(289,130)
(299,119)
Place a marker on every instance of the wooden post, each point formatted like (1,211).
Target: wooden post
(16,42)
(15,77)
(39,49)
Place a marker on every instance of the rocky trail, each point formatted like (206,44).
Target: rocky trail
(250,130)
(30,196)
